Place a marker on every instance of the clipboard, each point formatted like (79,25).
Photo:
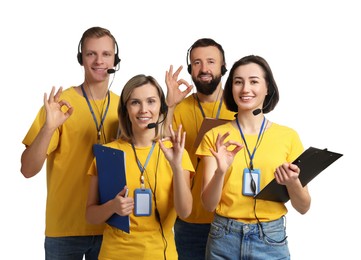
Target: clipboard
(207,124)
(111,180)
(311,162)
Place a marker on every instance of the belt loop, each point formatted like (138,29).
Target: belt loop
(229,224)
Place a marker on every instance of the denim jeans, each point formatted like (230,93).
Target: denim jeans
(230,239)
(72,248)
(191,240)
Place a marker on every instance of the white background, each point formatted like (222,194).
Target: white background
(313,48)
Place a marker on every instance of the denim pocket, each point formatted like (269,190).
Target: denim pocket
(217,230)
(274,235)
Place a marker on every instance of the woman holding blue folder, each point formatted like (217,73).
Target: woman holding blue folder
(157,178)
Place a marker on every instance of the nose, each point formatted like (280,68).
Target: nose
(99,59)
(143,108)
(246,87)
(204,67)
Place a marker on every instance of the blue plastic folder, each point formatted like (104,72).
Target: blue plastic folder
(111,179)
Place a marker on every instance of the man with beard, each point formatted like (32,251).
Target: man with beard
(206,64)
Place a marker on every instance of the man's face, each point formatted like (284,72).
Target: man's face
(206,65)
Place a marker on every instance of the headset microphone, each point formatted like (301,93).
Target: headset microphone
(111,71)
(153,125)
(257,111)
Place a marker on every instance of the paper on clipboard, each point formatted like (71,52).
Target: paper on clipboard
(207,124)
(311,162)
(111,179)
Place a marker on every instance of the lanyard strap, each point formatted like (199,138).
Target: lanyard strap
(251,156)
(140,166)
(201,108)
(98,127)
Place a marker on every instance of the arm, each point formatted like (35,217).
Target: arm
(183,199)
(287,174)
(215,169)
(97,214)
(34,156)
(174,94)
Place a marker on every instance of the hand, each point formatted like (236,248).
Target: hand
(124,205)
(55,117)
(223,156)
(287,173)
(175,153)
(174,94)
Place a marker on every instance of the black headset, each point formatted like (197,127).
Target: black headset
(189,66)
(116,58)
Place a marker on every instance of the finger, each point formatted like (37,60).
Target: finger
(58,93)
(183,141)
(179,134)
(175,75)
(51,95)
(64,103)
(171,132)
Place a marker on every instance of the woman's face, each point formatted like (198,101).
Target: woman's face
(143,106)
(249,87)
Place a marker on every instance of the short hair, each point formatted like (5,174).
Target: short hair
(271,99)
(205,42)
(125,124)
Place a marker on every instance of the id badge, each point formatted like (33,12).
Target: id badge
(142,202)
(250,182)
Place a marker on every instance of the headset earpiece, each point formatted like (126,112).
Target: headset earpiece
(189,69)
(163,105)
(223,70)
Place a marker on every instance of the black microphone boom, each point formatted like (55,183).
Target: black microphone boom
(256,111)
(151,125)
(111,71)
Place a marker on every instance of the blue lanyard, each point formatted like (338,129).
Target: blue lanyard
(99,127)
(251,156)
(200,107)
(140,166)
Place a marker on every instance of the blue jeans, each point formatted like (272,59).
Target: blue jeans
(230,239)
(72,248)
(191,240)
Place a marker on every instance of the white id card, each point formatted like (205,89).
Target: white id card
(250,188)
(142,202)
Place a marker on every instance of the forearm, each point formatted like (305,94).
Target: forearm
(183,199)
(34,156)
(300,197)
(211,193)
(98,214)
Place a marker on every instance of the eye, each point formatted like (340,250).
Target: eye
(254,82)
(89,54)
(134,102)
(152,101)
(237,82)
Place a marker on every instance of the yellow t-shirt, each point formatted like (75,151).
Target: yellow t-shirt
(69,157)
(188,113)
(145,240)
(279,144)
